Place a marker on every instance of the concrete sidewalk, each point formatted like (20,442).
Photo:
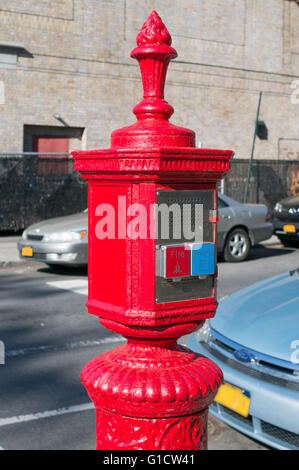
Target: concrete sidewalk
(9,254)
(274,240)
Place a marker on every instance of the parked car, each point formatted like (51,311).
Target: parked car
(286,220)
(254,339)
(241,226)
(64,240)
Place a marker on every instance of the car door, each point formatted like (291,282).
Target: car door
(226,221)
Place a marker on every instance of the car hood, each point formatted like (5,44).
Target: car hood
(292,201)
(61,224)
(263,317)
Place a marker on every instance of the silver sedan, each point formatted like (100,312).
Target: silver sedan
(241,226)
(57,241)
(64,240)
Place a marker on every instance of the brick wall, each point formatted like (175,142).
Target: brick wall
(73,61)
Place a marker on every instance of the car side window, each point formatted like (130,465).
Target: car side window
(221,203)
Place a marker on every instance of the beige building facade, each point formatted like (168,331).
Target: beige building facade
(65,71)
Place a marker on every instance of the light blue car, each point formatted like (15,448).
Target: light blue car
(254,338)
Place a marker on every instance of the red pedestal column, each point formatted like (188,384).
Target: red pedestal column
(150,393)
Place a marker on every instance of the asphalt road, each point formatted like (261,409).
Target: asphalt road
(49,337)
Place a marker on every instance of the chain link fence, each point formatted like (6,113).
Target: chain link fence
(35,187)
(271,180)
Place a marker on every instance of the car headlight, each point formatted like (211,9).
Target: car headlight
(294,210)
(203,334)
(278,207)
(65,236)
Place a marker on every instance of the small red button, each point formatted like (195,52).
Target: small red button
(177,261)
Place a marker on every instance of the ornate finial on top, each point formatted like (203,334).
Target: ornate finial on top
(153,32)
(153,53)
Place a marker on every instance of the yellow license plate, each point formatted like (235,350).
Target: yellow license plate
(233,398)
(27,251)
(289,228)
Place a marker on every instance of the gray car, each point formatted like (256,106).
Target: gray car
(254,339)
(286,220)
(241,226)
(64,240)
(57,241)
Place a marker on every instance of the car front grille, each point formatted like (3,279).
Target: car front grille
(242,419)
(257,428)
(33,236)
(41,256)
(280,434)
(261,365)
(286,215)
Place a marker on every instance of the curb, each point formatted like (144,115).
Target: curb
(5,264)
(271,241)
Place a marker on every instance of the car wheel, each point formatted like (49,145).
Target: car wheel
(236,246)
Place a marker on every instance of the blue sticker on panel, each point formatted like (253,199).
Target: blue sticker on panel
(203,259)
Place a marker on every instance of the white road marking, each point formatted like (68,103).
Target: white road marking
(45,414)
(65,346)
(79,286)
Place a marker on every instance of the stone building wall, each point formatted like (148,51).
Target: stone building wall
(70,58)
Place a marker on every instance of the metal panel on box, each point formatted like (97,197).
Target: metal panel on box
(186,289)
(182,218)
(170,203)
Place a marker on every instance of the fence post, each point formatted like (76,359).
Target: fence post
(252,149)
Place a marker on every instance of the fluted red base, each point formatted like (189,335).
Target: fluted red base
(115,432)
(151,397)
